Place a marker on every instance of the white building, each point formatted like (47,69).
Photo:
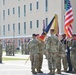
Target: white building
(19,19)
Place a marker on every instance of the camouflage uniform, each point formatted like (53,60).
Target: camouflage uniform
(73,54)
(22,47)
(26,49)
(52,51)
(64,58)
(40,56)
(34,47)
(0,52)
(60,56)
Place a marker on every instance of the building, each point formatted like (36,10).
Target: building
(20,18)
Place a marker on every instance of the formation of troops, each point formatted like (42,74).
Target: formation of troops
(57,50)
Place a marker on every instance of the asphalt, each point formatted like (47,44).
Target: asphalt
(23,67)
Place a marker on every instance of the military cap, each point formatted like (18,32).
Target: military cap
(34,35)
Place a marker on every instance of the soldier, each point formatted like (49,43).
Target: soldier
(0,52)
(52,51)
(73,55)
(40,54)
(68,55)
(26,49)
(60,56)
(64,58)
(22,47)
(34,47)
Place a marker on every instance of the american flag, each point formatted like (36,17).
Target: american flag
(68,20)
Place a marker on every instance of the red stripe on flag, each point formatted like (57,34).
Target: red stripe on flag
(68,20)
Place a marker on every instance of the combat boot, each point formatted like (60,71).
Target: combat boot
(34,72)
(53,72)
(58,71)
(74,70)
(39,71)
(65,69)
(50,72)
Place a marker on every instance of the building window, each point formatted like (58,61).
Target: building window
(18,28)
(24,10)
(24,27)
(3,29)
(37,5)
(30,24)
(8,11)
(3,2)
(3,14)
(4,43)
(37,23)
(46,19)
(65,3)
(13,10)
(18,11)
(19,43)
(46,5)
(13,26)
(30,6)
(8,27)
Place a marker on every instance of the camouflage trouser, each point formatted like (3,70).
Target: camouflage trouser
(64,62)
(58,65)
(52,60)
(73,61)
(40,60)
(0,57)
(34,61)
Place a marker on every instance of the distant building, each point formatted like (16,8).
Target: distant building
(19,19)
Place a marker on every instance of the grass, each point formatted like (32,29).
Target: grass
(9,58)
(13,58)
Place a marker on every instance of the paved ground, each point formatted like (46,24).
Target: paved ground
(20,68)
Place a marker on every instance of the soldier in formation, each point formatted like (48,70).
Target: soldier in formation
(10,48)
(73,54)
(64,58)
(34,47)
(0,51)
(52,51)
(24,47)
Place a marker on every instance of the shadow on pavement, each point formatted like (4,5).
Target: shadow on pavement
(40,74)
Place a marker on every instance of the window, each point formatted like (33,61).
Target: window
(13,10)
(37,5)
(8,27)
(3,2)
(37,22)
(46,5)
(13,26)
(24,27)
(8,11)
(4,43)
(19,43)
(30,24)
(65,3)
(24,10)
(18,11)
(18,28)
(3,29)
(30,6)
(46,21)
(3,14)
